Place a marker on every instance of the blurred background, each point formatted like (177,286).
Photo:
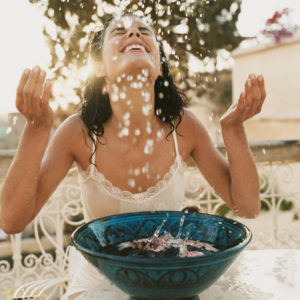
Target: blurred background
(212,46)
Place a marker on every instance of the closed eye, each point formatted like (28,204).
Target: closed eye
(118,31)
(145,30)
(122,30)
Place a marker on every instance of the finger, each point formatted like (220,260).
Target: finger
(28,89)
(37,94)
(241,103)
(46,95)
(256,95)
(261,84)
(248,96)
(19,93)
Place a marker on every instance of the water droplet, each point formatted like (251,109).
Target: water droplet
(136,172)
(166,83)
(127,22)
(114,97)
(146,109)
(145,72)
(137,132)
(146,96)
(131,182)
(114,58)
(145,169)
(149,146)
(264,151)
(159,134)
(148,128)
(126,116)
(180,227)
(14,119)
(136,85)
(8,130)
(129,78)
(122,95)
(161,95)
(124,132)
(158,111)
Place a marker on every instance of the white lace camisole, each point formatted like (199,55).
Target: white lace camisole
(100,198)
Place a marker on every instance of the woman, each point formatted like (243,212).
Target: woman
(130,140)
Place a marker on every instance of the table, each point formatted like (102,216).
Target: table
(255,275)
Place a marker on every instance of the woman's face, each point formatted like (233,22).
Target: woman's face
(130,48)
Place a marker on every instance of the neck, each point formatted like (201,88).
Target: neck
(132,102)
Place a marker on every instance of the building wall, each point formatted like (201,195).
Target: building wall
(280,65)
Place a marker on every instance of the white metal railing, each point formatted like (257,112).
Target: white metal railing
(43,274)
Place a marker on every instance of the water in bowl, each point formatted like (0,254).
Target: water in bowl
(159,246)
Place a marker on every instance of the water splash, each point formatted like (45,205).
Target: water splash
(8,130)
(146,109)
(149,146)
(137,171)
(146,96)
(165,245)
(148,128)
(180,227)
(124,132)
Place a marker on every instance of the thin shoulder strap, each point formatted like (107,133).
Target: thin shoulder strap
(176,144)
(94,148)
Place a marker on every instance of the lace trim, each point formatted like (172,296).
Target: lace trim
(93,173)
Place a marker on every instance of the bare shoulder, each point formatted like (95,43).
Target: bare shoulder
(72,123)
(191,133)
(191,125)
(71,128)
(70,134)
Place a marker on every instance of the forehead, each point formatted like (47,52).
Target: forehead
(128,21)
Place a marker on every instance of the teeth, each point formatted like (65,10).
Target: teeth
(128,48)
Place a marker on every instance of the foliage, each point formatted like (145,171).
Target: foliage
(276,26)
(265,189)
(209,26)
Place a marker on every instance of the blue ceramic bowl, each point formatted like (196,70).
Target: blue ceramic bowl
(162,278)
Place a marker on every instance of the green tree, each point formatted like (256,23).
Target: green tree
(207,26)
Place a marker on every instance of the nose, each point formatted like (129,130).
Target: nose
(133,31)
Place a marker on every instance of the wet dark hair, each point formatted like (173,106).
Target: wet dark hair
(96,108)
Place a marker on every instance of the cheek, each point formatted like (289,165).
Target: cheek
(110,55)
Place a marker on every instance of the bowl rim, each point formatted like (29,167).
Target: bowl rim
(227,252)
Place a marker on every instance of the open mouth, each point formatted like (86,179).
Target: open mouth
(135,48)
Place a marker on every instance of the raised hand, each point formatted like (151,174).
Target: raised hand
(249,103)
(32,98)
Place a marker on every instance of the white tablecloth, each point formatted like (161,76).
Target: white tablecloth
(255,275)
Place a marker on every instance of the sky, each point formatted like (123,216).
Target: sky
(22,43)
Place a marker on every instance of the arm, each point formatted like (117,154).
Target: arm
(30,179)
(235,180)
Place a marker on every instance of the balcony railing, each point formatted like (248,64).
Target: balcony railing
(45,269)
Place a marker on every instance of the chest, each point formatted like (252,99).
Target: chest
(136,167)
